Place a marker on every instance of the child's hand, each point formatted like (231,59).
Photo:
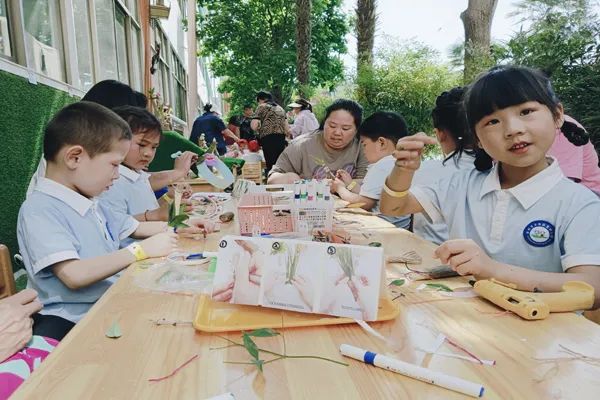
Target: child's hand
(184,162)
(409,148)
(467,258)
(160,244)
(344,176)
(197,226)
(336,185)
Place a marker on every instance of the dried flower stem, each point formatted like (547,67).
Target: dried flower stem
(454,344)
(174,372)
(164,321)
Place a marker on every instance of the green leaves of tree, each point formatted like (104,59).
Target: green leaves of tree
(252,46)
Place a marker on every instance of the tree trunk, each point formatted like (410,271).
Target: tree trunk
(366,20)
(303,42)
(477,21)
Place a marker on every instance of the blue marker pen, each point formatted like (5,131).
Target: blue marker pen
(413,371)
(195,256)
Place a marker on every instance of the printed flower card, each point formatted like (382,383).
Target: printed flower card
(325,278)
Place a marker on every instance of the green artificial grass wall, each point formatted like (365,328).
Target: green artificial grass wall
(24,111)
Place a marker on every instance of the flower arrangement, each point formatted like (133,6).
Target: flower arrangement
(162,111)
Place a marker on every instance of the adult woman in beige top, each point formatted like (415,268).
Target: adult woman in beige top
(334,147)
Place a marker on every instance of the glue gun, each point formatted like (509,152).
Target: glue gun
(575,295)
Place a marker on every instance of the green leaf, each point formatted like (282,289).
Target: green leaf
(263,332)
(439,287)
(258,363)
(177,221)
(397,282)
(114,332)
(250,346)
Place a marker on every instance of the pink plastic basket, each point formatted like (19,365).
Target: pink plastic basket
(256,209)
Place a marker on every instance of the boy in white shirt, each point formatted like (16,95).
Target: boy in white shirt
(378,136)
(132,192)
(69,241)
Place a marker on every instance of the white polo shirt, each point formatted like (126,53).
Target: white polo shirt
(56,224)
(372,186)
(547,223)
(432,171)
(130,194)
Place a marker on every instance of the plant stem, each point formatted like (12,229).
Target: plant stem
(280,356)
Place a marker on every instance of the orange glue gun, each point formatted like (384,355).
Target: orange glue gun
(575,295)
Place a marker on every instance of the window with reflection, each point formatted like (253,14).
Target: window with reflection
(43,37)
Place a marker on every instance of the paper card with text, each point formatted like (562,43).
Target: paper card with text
(335,279)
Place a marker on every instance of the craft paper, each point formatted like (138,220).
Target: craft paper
(324,278)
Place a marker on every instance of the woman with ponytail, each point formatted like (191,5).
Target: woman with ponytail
(576,155)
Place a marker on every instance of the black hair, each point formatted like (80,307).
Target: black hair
(350,106)
(265,96)
(576,134)
(246,106)
(111,94)
(448,115)
(142,100)
(139,120)
(304,104)
(387,124)
(207,107)
(90,125)
(502,87)
(234,120)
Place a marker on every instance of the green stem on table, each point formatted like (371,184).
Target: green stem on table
(279,355)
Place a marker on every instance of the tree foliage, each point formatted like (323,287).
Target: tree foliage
(405,79)
(564,41)
(251,44)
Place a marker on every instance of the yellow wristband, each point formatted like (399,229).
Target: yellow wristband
(166,198)
(393,193)
(351,185)
(137,250)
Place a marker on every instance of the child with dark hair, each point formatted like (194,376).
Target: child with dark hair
(576,155)
(246,131)
(518,219)
(132,192)
(69,241)
(111,94)
(378,136)
(457,145)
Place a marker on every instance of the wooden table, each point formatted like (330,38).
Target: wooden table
(88,365)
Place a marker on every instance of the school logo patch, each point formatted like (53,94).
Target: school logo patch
(539,233)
